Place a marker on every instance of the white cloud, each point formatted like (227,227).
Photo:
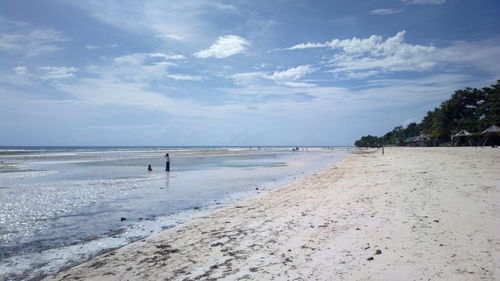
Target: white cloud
(181,21)
(298,84)
(382,12)
(291,74)
(94,47)
(477,54)
(21,70)
(112,92)
(361,58)
(47,72)
(91,47)
(185,77)
(56,72)
(139,58)
(306,46)
(247,78)
(21,39)
(261,66)
(374,53)
(368,56)
(167,57)
(435,2)
(137,67)
(356,75)
(286,77)
(172,36)
(224,47)
(143,68)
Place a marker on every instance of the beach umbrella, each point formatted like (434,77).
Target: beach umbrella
(494,130)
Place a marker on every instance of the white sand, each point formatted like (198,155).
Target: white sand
(433,213)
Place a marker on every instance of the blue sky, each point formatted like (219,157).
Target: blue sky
(235,72)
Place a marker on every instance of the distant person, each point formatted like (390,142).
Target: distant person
(382,147)
(149,168)
(167,164)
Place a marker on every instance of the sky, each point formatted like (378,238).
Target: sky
(243,72)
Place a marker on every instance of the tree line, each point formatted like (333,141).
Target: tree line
(469,109)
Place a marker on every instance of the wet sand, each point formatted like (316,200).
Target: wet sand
(412,214)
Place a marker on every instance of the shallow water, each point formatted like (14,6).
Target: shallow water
(62,205)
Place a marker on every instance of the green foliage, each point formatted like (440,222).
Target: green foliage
(470,109)
(367,141)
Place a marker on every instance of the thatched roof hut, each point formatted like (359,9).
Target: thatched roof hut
(460,135)
(417,141)
(493,130)
(492,136)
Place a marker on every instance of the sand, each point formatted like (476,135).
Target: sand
(412,214)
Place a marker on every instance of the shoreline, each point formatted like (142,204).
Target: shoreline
(244,183)
(414,212)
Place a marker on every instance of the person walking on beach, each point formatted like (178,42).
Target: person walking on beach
(167,164)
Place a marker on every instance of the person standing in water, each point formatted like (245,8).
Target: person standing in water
(167,164)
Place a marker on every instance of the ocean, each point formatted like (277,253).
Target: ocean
(62,205)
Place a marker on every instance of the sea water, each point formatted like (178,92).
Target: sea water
(62,205)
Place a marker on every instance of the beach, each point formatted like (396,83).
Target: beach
(60,206)
(411,214)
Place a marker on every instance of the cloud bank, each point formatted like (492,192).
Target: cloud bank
(365,57)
